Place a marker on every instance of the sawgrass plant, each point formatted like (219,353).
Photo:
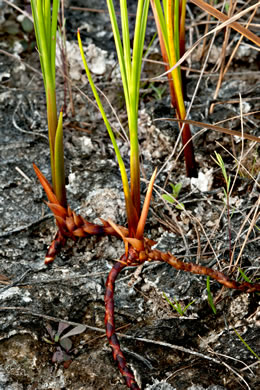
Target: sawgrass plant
(45,16)
(170,22)
(138,248)
(130,62)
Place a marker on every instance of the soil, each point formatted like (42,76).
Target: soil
(198,350)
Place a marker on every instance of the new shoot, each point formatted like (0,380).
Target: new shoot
(174,195)
(210,298)
(45,15)
(178,306)
(219,161)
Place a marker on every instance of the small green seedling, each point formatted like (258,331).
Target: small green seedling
(245,344)
(219,161)
(226,5)
(210,298)
(244,275)
(173,197)
(158,91)
(178,306)
(63,343)
(246,278)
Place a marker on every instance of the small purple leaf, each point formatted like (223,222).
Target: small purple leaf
(66,344)
(50,331)
(77,330)
(58,356)
(61,328)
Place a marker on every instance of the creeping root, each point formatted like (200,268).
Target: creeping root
(110,324)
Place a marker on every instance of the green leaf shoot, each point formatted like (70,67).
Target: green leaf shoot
(244,275)
(219,161)
(59,162)
(45,16)
(177,305)
(131,213)
(130,69)
(210,298)
(245,344)
(173,197)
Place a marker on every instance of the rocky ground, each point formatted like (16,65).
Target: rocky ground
(197,351)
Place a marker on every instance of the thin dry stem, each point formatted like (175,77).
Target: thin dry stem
(252,224)
(223,52)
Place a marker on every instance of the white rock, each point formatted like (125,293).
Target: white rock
(96,58)
(203,182)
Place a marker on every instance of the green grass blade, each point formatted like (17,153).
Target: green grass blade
(179,308)
(126,39)
(176,24)
(59,163)
(182,27)
(244,275)
(45,25)
(42,27)
(126,68)
(140,28)
(172,305)
(189,304)
(54,19)
(245,344)
(119,50)
(46,10)
(161,23)
(221,164)
(37,34)
(210,299)
(139,37)
(43,52)
(130,73)
(41,16)
(131,213)
(176,73)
